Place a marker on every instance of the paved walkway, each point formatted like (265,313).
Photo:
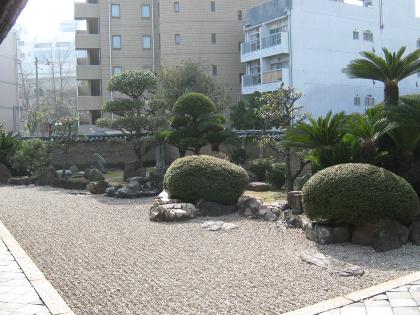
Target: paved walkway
(404,300)
(17,295)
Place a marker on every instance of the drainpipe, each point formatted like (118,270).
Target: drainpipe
(153,36)
(110,44)
(289,31)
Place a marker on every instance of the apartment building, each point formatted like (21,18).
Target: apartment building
(122,35)
(9,110)
(307,43)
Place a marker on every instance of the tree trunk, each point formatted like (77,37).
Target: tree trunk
(405,161)
(288,171)
(368,151)
(197,150)
(392,94)
(182,152)
(215,147)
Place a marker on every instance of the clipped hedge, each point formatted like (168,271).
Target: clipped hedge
(261,167)
(276,176)
(205,177)
(359,193)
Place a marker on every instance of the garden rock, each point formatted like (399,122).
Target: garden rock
(382,235)
(414,235)
(334,266)
(5,174)
(67,173)
(98,188)
(319,233)
(172,211)
(19,181)
(258,186)
(111,191)
(291,220)
(94,175)
(248,206)
(47,177)
(79,174)
(213,209)
(252,176)
(70,184)
(74,169)
(294,200)
(137,187)
(156,177)
(100,163)
(218,226)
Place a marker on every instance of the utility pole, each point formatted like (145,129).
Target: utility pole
(36,83)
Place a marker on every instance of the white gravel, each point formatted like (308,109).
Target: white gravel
(105,257)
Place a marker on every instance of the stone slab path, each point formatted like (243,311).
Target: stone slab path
(404,300)
(17,295)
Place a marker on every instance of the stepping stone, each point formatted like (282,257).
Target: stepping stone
(258,186)
(334,266)
(218,226)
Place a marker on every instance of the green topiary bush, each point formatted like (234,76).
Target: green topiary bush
(261,167)
(276,175)
(359,193)
(205,177)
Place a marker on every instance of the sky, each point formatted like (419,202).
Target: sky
(41,18)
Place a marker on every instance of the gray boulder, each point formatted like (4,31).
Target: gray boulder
(131,169)
(213,209)
(172,212)
(258,186)
(111,191)
(323,233)
(94,175)
(415,233)
(19,181)
(64,173)
(47,177)
(218,226)
(294,200)
(382,235)
(248,206)
(74,169)
(137,187)
(5,174)
(98,188)
(290,220)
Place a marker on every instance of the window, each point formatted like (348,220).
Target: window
(177,39)
(116,41)
(214,69)
(213,38)
(116,70)
(418,43)
(357,100)
(147,41)
(369,101)
(355,35)
(212,6)
(145,11)
(239,15)
(115,10)
(368,36)
(176,7)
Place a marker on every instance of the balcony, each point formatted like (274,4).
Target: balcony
(87,41)
(89,103)
(84,10)
(267,46)
(88,72)
(265,82)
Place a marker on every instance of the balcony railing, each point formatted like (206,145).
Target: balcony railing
(272,76)
(263,43)
(251,79)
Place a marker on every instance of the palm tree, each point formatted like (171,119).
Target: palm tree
(367,129)
(389,70)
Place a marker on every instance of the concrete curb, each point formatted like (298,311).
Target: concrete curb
(52,300)
(356,296)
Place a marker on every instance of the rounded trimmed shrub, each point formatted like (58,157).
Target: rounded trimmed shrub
(359,193)
(276,176)
(261,167)
(205,177)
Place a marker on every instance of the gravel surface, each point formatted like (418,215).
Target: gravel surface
(105,257)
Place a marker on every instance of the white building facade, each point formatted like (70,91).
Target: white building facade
(307,43)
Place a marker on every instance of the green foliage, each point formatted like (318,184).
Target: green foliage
(189,76)
(194,117)
(261,167)
(276,175)
(35,121)
(359,193)
(32,155)
(391,69)
(133,83)
(244,116)
(204,177)
(8,146)
(238,154)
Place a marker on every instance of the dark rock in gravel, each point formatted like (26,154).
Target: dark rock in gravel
(5,174)
(19,181)
(292,221)
(258,186)
(214,209)
(111,191)
(47,177)
(319,233)
(70,184)
(334,266)
(137,187)
(94,175)
(98,188)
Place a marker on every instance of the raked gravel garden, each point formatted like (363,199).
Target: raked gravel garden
(104,256)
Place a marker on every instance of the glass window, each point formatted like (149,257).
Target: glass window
(418,43)
(116,41)
(213,38)
(368,36)
(357,100)
(177,39)
(147,41)
(145,11)
(214,69)
(212,6)
(116,70)
(240,15)
(176,7)
(369,101)
(115,10)
(355,35)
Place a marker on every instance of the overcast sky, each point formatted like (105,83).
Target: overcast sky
(40,19)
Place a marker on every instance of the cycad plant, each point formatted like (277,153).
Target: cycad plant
(367,128)
(390,70)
